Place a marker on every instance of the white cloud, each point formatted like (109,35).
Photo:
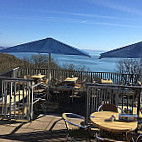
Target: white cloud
(73,14)
(87,15)
(117,25)
(117,6)
(70,20)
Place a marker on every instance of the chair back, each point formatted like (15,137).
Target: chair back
(109,107)
(72,123)
(75,128)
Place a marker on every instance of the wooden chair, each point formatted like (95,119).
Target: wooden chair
(76,130)
(109,107)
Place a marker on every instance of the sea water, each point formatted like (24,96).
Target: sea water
(93,64)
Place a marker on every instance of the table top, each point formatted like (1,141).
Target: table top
(101,120)
(106,81)
(72,79)
(37,76)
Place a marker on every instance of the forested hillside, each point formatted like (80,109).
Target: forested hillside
(8,62)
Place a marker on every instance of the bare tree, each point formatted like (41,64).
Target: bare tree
(129,66)
(73,67)
(40,61)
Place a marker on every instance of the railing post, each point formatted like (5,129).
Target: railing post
(15,72)
(139,102)
(87,104)
(31,101)
(91,78)
(141,78)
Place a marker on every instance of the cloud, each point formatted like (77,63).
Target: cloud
(76,14)
(70,20)
(117,25)
(59,19)
(117,6)
(87,15)
(73,14)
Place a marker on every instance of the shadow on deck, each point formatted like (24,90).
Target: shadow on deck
(48,128)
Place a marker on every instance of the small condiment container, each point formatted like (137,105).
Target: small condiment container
(112,118)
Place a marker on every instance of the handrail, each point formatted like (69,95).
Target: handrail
(15,69)
(113,85)
(117,78)
(10,71)
(11,78)
(78,71)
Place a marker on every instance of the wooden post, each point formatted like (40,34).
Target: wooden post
(49,68)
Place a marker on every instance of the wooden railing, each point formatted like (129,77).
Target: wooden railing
(126,97)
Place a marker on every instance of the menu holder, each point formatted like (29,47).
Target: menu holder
(128,117)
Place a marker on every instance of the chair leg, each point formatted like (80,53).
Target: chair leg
(67,137)
(72,140)
(43,107)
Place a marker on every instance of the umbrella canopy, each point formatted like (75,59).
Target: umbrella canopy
(130,51)
(48,45)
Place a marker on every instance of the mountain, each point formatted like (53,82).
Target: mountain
(1,47)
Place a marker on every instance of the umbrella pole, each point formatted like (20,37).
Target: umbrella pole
(49,68)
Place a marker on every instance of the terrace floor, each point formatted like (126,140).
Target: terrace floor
(46,128)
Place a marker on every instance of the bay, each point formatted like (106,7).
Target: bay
(93,64)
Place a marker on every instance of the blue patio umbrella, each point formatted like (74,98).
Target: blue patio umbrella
(47,45)
(130,51)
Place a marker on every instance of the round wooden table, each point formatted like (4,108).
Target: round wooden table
(101,120)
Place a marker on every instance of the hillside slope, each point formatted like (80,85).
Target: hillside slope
(8,62)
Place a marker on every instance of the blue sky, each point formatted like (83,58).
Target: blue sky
(85,24)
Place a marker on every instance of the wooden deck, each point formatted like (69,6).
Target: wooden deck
(45,128)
